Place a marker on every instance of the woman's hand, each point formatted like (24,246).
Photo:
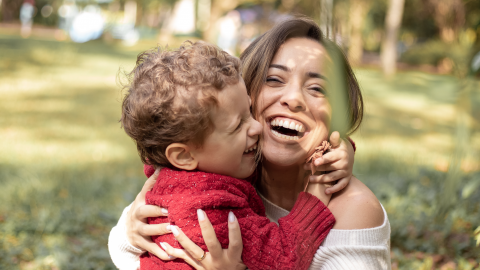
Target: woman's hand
(139,232)
(338,163)
(216,258)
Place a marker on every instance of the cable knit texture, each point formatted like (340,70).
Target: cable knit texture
(266,245)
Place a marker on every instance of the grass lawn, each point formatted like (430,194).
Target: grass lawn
(67,169)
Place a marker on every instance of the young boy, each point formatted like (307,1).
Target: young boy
(188,111)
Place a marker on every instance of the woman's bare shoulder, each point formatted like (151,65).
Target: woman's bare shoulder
(356,207)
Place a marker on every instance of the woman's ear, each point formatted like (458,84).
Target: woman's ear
(180,156)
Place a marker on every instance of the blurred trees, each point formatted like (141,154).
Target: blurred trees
(10,10)
(393,21)
(358,12)
(449,16)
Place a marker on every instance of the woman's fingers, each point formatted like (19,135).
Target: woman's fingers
(235,245)
(190,247)
(146,211)
(180,253)
(154,229)
(148,185)
(157,251)
(209,235)
(342,183)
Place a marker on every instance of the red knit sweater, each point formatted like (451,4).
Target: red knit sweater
(266,245)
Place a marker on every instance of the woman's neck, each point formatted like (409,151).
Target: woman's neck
(281,185)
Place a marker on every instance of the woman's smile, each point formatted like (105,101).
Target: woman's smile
(286,128)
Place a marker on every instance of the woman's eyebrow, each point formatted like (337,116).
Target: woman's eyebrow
(316,75)
(284,68)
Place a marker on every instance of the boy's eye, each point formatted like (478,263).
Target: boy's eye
(239,125)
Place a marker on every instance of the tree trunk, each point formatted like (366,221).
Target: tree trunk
(449,16)
(358,11)
(326,15)
(393,21)
(10,10)
(219,8)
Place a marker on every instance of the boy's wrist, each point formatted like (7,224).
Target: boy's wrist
(352,143)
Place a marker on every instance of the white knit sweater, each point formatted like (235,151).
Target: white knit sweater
(366,249)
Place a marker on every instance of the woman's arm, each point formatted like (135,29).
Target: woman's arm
(130,238)
(123,254)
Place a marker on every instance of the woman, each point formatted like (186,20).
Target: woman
(284,71)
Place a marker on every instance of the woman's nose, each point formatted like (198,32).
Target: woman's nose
(293,98)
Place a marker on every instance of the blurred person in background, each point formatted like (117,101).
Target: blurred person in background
(67,12)
(27,11)
(284,71)
(87,25)
(228,32)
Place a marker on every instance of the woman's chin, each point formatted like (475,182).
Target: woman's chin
(282,156)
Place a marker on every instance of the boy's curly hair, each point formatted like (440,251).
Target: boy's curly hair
(170,96)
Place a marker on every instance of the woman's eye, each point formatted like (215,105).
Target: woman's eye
(270,79)
(319,89)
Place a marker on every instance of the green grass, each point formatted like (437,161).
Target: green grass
(67,169)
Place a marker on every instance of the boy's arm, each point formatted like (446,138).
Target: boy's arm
(123,254)
(293,243)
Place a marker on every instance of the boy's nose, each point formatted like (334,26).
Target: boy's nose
(255,128)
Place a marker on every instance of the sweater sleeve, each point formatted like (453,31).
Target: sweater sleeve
(293,243)
(123,254)
(351,258)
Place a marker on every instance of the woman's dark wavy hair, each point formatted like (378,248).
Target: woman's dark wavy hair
(257,57)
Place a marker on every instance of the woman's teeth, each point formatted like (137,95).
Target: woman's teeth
(285,129)
(287,124)
(251,149)
(284,136)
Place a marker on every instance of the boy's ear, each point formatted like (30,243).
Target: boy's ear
(180,156)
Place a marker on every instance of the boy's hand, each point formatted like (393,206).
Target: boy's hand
(338,163)
(318,190)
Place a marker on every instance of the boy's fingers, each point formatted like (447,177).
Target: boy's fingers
(342,183)
(146,211)
(335,139)
(235,245)
(154,229)
(157,251)
(148,184)
(330,157)
(190,247)
(326,178)
(209,235)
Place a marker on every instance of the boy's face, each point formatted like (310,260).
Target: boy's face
(235,131)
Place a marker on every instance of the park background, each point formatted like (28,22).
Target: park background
(67,169)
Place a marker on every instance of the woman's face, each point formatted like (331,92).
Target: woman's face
(292,107)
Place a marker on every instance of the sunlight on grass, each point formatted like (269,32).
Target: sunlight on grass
(67,169)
